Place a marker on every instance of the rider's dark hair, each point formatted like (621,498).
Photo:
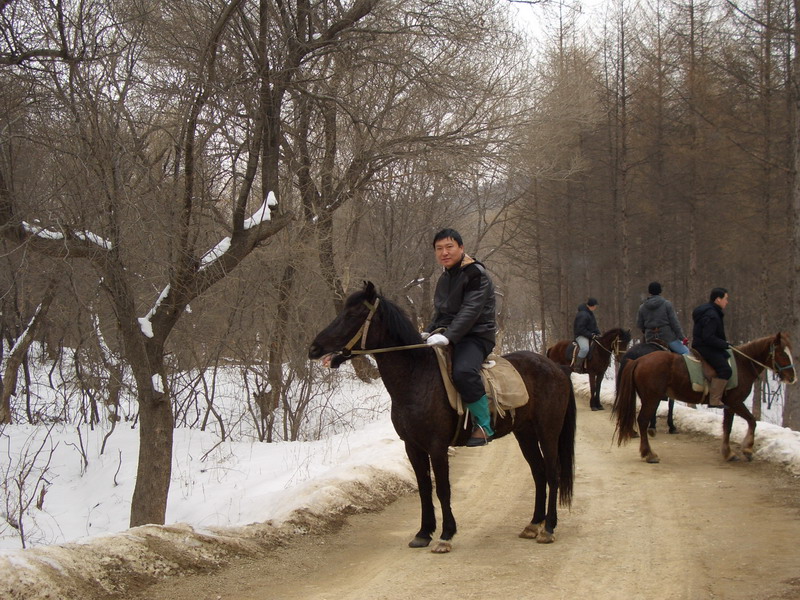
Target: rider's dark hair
(717,292)
(448,233)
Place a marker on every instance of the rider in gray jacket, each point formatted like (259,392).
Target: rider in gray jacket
(658,321)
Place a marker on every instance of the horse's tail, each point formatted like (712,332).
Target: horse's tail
(625,404)
(566,451)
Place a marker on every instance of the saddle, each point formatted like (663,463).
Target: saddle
(701,373)
(503,383)
(571,353)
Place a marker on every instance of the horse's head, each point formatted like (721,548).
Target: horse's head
(616,340)
(334,343)
(367,321)
(782,361)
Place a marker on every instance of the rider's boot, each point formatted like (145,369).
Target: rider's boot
(482,421)
(715,391)
(578,368)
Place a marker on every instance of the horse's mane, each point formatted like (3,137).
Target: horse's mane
(756,346)
(398,324)
(623,334)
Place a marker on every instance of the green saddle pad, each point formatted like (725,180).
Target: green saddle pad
(695,368)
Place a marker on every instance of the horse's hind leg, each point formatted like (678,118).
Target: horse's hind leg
(651,427)
(545,515)
(647,411)
(421,465)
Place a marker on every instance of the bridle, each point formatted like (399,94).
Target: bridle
(776,368)
(615,346)
(361,335)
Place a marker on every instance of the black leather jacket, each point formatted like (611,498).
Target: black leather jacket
(585,323)
(709,328)
(464,302)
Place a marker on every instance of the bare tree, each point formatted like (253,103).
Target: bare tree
(170,199)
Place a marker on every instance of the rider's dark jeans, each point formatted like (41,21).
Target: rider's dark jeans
(468,355)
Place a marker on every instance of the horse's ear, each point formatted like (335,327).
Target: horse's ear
(369,290)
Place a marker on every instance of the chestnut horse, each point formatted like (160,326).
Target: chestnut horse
(424,420)
(613,341)
(634,352)
(660,374)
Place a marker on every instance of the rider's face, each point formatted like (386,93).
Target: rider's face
(722,302)
(448,252)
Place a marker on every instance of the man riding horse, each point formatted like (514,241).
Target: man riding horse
(708,338)
(464,305)
(584,329)
(658,322)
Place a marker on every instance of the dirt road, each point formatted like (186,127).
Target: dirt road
(689,528)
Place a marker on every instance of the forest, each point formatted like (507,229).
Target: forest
(192,186)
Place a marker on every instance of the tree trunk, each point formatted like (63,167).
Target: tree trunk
(149,503)
(18,353)
(791,409)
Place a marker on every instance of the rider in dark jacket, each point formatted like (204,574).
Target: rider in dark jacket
(584,328)
(464,305)
(708,338)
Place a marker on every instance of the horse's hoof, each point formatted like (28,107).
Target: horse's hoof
(419,542)
(598,407)
(442,547)
(651,432)
(531,531)
(652,459)
(545,537)
(673,430)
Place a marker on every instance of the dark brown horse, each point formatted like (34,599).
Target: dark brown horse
(660,374)
(612,342)
(424,420)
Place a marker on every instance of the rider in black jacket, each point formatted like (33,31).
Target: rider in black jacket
(708,338)
(584,328)
(464,305)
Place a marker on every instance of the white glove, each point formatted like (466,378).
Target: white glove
(425,335)
(437,339)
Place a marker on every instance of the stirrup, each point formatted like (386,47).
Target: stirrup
(475,441)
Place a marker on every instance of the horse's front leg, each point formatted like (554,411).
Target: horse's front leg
(441,471)
(421,465)
(670,419)
(595,381)
(749,438)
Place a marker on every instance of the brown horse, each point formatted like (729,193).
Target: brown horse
(424,420)
(634,352)
(612,342)
(661,374)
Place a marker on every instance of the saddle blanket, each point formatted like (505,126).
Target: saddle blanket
(503,383)
(698,379)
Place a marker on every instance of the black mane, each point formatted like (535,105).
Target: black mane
(398,323)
